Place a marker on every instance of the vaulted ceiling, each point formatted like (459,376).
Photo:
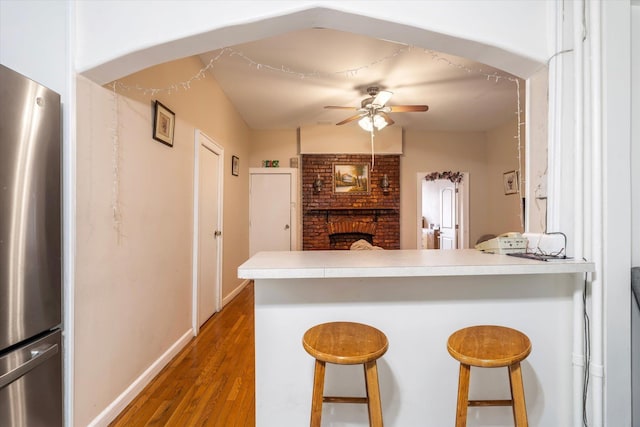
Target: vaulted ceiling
(285,81)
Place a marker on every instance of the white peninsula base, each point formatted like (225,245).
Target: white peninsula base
(417,298)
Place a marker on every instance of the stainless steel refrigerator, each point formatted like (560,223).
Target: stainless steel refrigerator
(30,253)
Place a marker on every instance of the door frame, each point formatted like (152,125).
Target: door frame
(462,206)
(202,140)
(293,209)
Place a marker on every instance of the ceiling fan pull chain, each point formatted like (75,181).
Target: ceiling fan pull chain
(373,160)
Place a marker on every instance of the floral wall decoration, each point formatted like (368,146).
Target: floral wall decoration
(455,177)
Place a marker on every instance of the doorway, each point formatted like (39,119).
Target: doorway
(272,209)
(207,229)
(442,213)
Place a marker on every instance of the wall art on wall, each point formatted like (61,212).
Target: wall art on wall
(235,165)
(351,178)
(164,121)
(510,181)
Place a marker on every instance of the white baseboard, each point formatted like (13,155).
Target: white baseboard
(226,300)
(114,409)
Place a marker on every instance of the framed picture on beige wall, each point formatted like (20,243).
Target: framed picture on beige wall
(235,165)
(164,121)
(510,181)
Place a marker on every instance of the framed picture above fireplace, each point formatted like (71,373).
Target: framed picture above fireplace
(351,178)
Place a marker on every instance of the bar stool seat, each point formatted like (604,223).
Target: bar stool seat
(346,343)
(490,346)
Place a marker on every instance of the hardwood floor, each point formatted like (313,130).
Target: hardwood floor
(210,382)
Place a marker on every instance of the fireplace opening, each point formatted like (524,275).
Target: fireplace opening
(345,240)
(342,234)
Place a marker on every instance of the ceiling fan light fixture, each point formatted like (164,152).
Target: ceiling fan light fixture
(366,123)
(379,122)
(369,122)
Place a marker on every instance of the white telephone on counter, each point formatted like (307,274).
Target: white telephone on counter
(507,243)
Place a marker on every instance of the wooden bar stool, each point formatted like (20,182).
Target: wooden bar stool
(490,347)
(346,343)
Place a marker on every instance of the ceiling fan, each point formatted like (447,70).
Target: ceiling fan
(374,112)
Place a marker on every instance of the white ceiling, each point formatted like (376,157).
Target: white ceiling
(284,82)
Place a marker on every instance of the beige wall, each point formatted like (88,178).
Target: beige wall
(273,145)
(504,212)
(133,272)
(205,106)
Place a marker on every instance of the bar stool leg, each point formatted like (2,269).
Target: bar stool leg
(463,395)
(373,394)
(318,394)
(517,395)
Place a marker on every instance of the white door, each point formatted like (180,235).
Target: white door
(448,220)
(271,218)
(208,230)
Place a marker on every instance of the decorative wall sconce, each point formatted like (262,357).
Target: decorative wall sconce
(384,183)
(317,184)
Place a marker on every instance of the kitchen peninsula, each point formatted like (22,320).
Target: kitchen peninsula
(417,298)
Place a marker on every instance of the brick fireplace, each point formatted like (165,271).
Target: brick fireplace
(334,220)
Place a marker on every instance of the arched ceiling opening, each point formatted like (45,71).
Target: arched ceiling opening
(347,52)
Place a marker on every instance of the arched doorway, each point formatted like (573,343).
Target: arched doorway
(134,50)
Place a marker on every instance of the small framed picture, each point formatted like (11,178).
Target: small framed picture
(164,121)
(351,178)
(235,165)
(510,181)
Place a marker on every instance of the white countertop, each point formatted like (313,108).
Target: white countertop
(397,263)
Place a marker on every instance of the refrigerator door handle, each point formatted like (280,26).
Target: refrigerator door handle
(38,356)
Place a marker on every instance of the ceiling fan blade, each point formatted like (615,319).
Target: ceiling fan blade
(386,118)
(382,98)
(408,108)
(350,119)
(336,107)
